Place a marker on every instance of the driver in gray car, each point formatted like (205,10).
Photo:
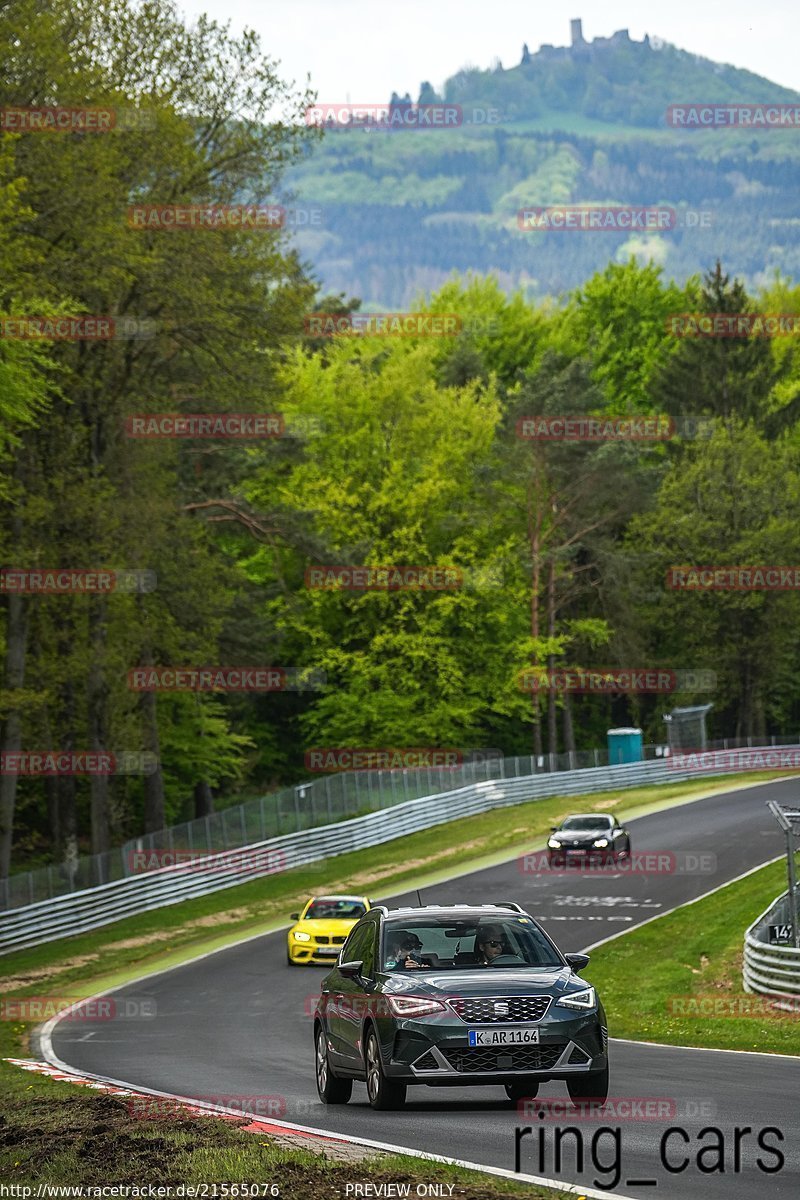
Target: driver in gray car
(491,943)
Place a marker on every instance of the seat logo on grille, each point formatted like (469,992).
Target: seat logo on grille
(500,1008)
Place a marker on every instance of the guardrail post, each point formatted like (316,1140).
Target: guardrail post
(792,888)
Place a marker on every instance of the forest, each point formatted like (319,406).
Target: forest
(193,631)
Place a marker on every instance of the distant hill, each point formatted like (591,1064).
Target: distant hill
(402,209)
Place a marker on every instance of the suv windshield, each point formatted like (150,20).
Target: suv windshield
(445,944)
(335,910)
(586,823)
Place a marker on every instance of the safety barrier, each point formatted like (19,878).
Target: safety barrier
(91,908)
(772,970)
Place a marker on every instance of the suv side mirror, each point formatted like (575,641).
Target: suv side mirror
(351,970)
(553,828)
(294,916)
(577,961)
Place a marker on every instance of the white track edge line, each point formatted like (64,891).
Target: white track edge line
(612,937)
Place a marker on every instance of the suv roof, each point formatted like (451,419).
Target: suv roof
(449,910)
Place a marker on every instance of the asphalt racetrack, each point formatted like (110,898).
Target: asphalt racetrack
(238,1024)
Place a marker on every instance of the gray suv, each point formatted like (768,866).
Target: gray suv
(455,995)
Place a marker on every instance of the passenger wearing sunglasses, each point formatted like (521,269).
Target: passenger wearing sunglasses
(491,944)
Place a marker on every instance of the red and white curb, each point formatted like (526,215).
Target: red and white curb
(177,1105)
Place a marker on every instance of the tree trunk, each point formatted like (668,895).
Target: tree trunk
(11,740)
(534,532)
(98,724)
(67,813)
(154,816)
(552,721)
(203,799)
(569,732)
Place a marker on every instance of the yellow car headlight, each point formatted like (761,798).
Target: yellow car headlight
(301,937)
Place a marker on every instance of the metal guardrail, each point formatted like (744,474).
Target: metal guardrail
(315,802)
(771,970)
(94,907)
(307,805)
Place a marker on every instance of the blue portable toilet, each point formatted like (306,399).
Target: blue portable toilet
(624,746)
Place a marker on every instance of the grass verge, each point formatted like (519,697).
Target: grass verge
(652,976)
(54,1137)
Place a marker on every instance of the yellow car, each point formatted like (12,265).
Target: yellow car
(322,928)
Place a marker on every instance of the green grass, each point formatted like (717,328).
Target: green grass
(57,1133)
(695,951)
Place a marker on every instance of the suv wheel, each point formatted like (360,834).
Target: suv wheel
(331,1089)
(383,1093)
(591,1086)
(521,1090)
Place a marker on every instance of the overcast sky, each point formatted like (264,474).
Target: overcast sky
(365,50)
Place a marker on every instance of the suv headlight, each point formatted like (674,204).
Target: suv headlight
(301,937)
(583,1000)
(601,843)
(553,843)
(413,1006)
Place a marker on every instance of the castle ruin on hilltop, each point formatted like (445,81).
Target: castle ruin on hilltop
(579,47)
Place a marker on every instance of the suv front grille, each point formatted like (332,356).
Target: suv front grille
(482,1011)
(527,1058)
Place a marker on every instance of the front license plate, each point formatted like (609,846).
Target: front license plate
(576,852)
(515,1035)
(327,949)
